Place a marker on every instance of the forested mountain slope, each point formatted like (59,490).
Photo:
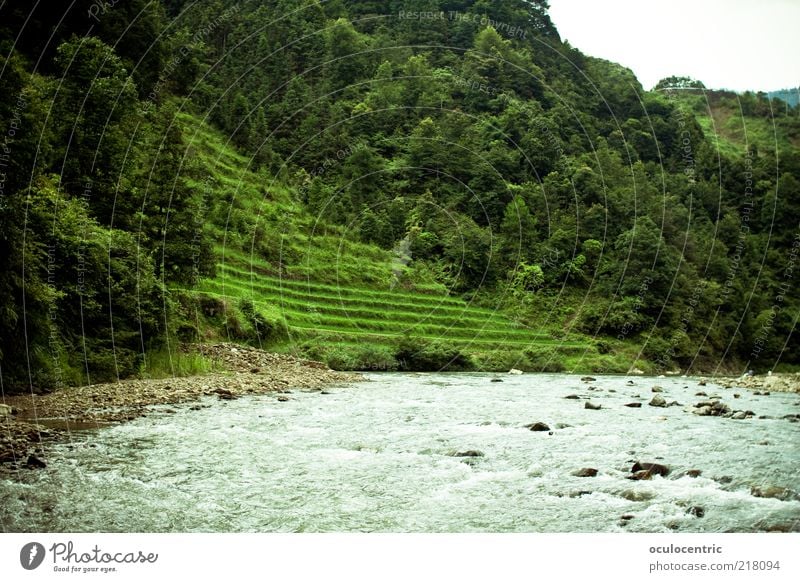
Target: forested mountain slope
(307,175)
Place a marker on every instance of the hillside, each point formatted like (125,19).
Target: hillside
(381,186)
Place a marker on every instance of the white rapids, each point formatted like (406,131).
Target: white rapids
(381,456)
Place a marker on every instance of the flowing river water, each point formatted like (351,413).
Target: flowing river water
(381,456)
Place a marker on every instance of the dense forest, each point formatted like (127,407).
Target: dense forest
(460,140)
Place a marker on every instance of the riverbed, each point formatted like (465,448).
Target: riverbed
(427,453)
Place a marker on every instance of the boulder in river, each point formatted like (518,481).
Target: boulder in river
(592,406)
(538,427)
(634,405)
(585,472)
(35,462)
(469,453)
(696,510)
(694,473)
(588,379)
(496,380)
(659,401)
(649,469)
(656,389)
(774,492)
(740,415)
(572,397)
(634,495)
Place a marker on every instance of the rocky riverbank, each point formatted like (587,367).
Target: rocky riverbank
(768,383)
(27,422)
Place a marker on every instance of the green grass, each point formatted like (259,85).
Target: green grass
(166,363)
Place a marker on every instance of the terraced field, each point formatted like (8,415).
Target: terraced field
(349,314)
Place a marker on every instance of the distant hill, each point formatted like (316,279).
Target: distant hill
(790,96)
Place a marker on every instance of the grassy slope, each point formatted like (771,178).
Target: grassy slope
(337,294)
(732,132)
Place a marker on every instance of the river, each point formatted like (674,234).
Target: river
(380,456)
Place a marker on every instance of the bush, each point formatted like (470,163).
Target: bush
(264,329)
(420,356)
(544,360)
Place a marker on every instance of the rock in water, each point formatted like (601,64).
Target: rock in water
(651,468)
(658,401)
(773,492)
(634,404)
(696,510)
(538,427)
(588,379)
(694,473)
(592,406)
(656,389)
(496,380)
(35,462)
(470,453)
(572,397)
(585,472)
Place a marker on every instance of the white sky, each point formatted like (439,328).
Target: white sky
(726,44)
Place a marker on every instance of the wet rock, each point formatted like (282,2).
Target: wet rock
(537,427)
(35,462)
(572,397)
(674,403)
(627,517)
(283,399)
(560,425)
(724,480)
(658,401)
(696,510)
(634,495)
(702,411)
(656,389)
(585,472)
(741,415)
(640,476)
(580,493)
(630,383)
(592,406)
(652,468)
(634,405)
(694,473)
(701,394)
(736,395)
(612,390)
(469,453)
(701,383)
(225,394)
(774,492)
(588,379)
(496,380)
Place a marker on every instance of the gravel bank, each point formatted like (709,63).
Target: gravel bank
(27,422)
